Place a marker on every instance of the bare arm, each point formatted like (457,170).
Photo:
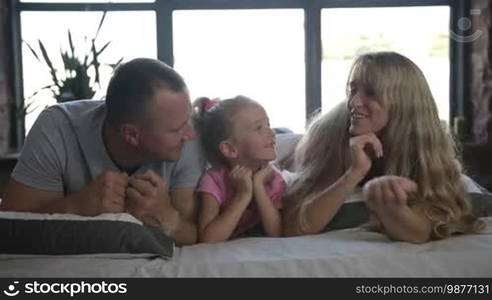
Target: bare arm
(320,210)
(386,197)
(174,212)
(269,214)
(104,194)
(215,226)
(179,221)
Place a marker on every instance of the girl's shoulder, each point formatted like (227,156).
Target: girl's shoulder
(219,171)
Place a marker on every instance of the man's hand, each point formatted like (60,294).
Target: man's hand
(107,192)
(147,197)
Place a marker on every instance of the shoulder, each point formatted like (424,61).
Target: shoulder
(217,173)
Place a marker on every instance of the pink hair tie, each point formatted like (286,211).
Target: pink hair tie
(209,103)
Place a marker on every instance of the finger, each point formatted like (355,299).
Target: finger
(153,178)
(133,194)
(401,195)
(388,196)
(408,185)
(376,145)
(143,186)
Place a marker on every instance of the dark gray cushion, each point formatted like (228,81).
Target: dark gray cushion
(355,214)
(69,234)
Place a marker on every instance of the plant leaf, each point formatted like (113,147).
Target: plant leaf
(48,62)
(32,50)
(100,24)
(95,62)
(70,42)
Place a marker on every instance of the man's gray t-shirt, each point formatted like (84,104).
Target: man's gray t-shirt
(64,151)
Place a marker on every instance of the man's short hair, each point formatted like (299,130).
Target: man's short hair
(133,85)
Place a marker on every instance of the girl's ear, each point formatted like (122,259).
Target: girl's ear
(130,134)
(228,149)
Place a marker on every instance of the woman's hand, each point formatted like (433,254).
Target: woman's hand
(387,198)
(363,149)
(388,193)
(242,180)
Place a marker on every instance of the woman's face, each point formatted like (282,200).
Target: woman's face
(367,112)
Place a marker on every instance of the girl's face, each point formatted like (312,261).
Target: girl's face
(253,139)
(367,112)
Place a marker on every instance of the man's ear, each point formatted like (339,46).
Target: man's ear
(131,134)
(228,149)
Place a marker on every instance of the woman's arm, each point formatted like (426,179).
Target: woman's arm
(320,210)
(386,197)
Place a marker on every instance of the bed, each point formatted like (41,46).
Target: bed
(349,252)
(353,252)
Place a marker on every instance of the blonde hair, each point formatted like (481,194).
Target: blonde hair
(415,145)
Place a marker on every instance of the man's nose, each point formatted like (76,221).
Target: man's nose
(190,132)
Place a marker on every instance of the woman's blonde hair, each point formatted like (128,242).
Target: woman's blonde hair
(415,145)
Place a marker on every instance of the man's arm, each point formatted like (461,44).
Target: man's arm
(105,194)
(183,200)
(174,212)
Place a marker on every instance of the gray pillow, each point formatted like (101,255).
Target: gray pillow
(355,214)
(30,233)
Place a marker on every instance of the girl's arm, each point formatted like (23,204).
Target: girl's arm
(269,214)
(386,197)
(214,226)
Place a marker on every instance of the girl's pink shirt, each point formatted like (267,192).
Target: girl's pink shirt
(215,181)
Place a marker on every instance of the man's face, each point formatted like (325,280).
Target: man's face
(166,126)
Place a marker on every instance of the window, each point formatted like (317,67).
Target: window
(126,31)
(420,33)
(255,53)
(255,48)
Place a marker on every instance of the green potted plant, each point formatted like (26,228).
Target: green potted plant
(74,82)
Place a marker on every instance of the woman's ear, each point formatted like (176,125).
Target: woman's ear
(228,149)
(130,134)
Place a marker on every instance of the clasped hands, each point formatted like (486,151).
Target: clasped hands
(143,195)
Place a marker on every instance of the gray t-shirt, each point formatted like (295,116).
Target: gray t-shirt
(64,151)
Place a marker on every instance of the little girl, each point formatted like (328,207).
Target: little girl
(241,189)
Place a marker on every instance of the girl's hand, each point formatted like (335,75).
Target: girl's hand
(264,175)
(363,149)
(388,193)
(242,180)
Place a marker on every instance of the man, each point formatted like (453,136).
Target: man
(129,153)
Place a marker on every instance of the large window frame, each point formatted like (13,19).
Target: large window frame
(312,26)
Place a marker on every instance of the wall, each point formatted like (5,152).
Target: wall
(478,154)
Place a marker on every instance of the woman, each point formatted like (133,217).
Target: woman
(387,138)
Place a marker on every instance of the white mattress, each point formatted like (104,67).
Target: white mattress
(343,253)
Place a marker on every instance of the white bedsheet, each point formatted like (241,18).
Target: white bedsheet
(343,253)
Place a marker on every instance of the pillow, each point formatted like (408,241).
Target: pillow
(354,212)
(31,233)
(482,204)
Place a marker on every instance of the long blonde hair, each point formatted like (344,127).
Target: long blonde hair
(415,145)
